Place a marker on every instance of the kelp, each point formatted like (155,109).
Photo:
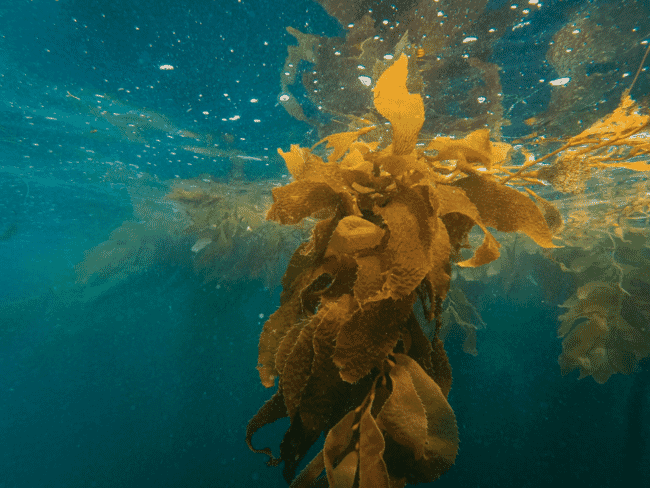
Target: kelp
(611,142)
(155,235)
(350,354)
(356,344)
(219,228)
(455,72)
(605,330)
(605,327)
(232,240)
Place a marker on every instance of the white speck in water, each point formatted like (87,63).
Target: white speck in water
(559,81)
(367,81)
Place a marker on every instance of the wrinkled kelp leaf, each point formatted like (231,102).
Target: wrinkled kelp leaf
(405,111)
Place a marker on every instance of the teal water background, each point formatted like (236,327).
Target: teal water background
(151,381)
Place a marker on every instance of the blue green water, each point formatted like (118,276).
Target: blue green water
(151,381)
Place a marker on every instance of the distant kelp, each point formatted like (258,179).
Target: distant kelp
(233,241)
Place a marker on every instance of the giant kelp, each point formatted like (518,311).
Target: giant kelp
(217,227)
(607,252)
(350,354)
(232,240)
(590,50)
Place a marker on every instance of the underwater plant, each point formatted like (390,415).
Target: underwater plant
(351,357)
(351,354)
(232,240)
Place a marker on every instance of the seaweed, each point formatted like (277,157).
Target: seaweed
(395,211)
(454,72)
(350,354)
(598,339)
(232,240)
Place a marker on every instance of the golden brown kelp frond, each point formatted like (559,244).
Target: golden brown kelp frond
(609,143)
(619,140)
(350,354)
(403,431)
(474,152)
(404,111)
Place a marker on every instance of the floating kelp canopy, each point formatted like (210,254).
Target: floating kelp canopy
(394,213)
(453,44)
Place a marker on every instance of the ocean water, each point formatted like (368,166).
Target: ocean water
(121,366)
